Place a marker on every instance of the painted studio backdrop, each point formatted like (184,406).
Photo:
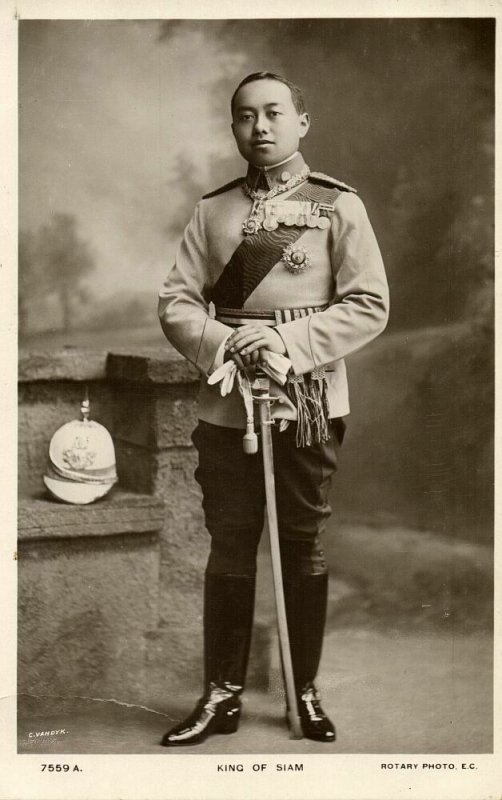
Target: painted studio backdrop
(125,124)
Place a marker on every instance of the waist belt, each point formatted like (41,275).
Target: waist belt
(239,316)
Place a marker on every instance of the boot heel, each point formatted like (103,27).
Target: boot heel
(229,721)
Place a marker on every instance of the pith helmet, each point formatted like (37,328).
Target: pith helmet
(81,466)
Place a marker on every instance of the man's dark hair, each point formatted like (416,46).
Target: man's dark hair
(296,92)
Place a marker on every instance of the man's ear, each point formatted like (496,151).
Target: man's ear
(233,129)
(304,124)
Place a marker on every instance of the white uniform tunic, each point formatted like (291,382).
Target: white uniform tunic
(346,271)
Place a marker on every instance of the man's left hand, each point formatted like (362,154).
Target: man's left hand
(248,340)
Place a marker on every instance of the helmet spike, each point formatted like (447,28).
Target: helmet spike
(85,407)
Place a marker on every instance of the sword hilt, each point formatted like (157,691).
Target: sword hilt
(257,391)
(260,387)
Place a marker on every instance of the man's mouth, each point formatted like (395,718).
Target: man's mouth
(259,142)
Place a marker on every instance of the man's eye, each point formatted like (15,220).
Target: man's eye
(275,113)
(245,117)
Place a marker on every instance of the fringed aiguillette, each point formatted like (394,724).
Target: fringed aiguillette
(309,395)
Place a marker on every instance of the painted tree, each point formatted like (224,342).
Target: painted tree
(53,261)
(29,277)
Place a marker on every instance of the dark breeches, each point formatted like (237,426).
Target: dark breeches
(234,497)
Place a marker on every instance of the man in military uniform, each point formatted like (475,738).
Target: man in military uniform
(290,261)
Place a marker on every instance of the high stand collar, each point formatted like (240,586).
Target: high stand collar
(266,178)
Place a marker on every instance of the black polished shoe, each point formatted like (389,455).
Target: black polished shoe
(315,724)
(218,711)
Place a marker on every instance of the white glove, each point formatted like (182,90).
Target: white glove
(225,374)
(276,366)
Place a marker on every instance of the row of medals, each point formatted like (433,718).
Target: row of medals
(269,215)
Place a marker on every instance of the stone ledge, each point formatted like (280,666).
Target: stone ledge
(118,513)
(70,364)
(150,365)
(158,365)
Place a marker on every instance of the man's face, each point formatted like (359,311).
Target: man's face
(266,124)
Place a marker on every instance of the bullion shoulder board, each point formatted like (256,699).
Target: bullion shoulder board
(225,188)
(325,180)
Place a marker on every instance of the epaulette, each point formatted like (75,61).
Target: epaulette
(325,180)
(225,188)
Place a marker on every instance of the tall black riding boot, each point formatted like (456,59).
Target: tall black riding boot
(228,621)
(306,601)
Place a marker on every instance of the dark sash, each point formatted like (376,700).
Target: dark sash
(259,252)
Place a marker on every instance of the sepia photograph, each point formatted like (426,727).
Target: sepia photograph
(256,383)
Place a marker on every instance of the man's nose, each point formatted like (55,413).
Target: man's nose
(261,124)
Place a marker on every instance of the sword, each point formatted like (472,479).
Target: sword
(258,391)
(261,395)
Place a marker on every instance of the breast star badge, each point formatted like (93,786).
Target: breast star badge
(295,259)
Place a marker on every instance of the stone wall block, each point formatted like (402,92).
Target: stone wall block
(175,660)
(184,541)
(84,609)
(174,482)
(133,415)
(155,417)
(136,467)
(184,544)
(175,416)
(167,475)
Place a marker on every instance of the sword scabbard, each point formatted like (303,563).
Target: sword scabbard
(262,397)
